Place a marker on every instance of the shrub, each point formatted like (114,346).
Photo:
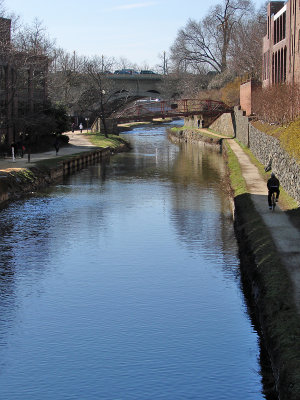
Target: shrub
(277,104)
(231,92)
(290,139)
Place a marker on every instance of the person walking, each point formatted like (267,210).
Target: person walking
(80,127)
(13,148)
(273,187)
(56,145)
(73,127)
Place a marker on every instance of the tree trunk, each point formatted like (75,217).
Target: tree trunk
(103,120)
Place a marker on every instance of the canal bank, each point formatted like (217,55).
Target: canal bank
(23,176)
(269,253)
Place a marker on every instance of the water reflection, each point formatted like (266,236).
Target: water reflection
(120,283)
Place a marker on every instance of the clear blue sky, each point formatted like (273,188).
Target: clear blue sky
(137,30)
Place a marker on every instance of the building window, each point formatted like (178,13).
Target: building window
(279,66)
(280,28)
(266,65)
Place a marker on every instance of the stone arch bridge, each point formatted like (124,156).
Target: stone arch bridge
(140,88)
(137,86)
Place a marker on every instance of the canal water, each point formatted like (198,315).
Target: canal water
(122,283)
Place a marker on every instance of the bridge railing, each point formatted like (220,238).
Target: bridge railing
(163,109)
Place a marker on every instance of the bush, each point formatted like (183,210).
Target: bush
(290,139)
(277,104)
(220,80)
(231,92)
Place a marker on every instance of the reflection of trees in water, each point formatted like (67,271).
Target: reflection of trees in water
(33,232)
(203,222)
(197,163)
(7,272)
(201,211)
(23,252)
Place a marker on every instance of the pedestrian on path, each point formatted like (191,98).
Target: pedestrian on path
(80,127)
(56,145)
(73,127)
(13,147)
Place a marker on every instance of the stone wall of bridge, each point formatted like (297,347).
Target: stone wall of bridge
(199,121)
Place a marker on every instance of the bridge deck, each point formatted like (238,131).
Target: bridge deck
(147,110)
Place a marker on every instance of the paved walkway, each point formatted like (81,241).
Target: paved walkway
(78,143)
(286,237)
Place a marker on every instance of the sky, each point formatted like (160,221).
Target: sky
(138,30)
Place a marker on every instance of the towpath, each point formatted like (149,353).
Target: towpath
(285,235)
(77,144)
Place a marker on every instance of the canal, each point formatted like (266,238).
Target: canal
(122,283)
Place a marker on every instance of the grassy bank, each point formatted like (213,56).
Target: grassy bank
(287,135)
(287,203)
(271,286)
(113,141)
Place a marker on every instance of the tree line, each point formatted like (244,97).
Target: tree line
(207,54)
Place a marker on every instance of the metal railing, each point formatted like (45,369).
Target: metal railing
(167,108)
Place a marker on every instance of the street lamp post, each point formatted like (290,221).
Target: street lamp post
(87,124)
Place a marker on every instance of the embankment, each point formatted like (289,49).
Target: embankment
(17,182)
(178,135)
(268,284)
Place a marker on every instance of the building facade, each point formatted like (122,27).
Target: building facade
(281,45)
(23,87)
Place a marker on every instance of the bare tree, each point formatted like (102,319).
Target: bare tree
(23,67)
(65,79)
(246,46)
(100,96)
(207,41)
(123,63)
(34,40)
(163,66)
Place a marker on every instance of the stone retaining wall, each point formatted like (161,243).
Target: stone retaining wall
(192,136)
(265,148)
(15,183)
(224,124)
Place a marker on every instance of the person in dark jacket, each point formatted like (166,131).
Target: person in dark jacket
(273,187)
(56,145)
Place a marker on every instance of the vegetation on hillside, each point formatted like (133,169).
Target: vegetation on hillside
(279,104)
(289,135)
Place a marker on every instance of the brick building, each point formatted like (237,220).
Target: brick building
(23,87)
(281,45)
